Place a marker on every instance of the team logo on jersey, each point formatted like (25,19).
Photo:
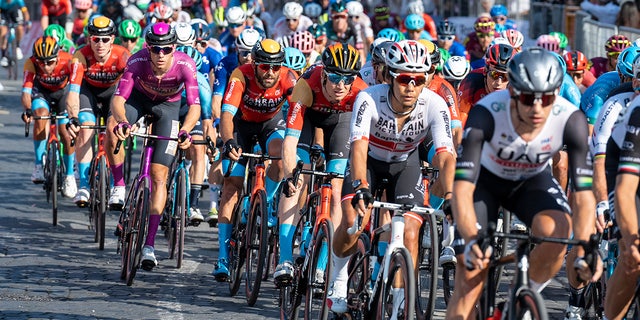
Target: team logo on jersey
(498,106)
(360,113)
(557,109)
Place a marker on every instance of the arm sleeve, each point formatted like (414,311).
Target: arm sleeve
(604,125)
(77,71)
(44,9)
(29,76)
(478,129)
(575,136)
(630,155)
(233,95)
(361,116)
(300,99)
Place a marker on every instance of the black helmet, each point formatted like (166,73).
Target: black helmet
(341,58)
(160,34)
(445,28)
(101,26)
(268,51)
(535,70)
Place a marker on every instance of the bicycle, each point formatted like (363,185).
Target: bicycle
(175,217)
(428,254)
(523,301)
(315,234)
(594,292)
(11,51)
(53,166)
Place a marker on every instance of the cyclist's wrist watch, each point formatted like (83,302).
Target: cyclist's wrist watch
(356,184)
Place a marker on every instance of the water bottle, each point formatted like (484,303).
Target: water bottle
(306,238)
(244,208)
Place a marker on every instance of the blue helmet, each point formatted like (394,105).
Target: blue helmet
(390,34)
(294,59)
(414,22)
(193,53)
(563,63)
(625,61)
(498,10)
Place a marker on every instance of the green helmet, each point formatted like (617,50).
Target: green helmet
(562,38)
(56,31)
(129,29)
(219,18)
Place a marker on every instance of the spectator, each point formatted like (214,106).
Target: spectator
(628,15)
(604,11)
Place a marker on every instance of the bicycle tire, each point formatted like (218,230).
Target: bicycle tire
(359,278)
(317,289)
(531,302)
(427,277)
(256,244)
(138,230)
(103,182)
(273,255)
(288,298)
(448,281)
(180,214)
(500,248)
(128,159)
(594,300)
(170,221)
(123,238)
(54,153)
(399,265)
(237,248)
(93,199)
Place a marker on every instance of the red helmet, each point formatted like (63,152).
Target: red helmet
(498,55)
(515,37)
(617,43)
(303,41)
(484,25)
(576,61)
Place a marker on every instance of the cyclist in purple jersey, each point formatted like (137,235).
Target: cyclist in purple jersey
(152,84)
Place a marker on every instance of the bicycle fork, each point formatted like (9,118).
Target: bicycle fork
(397,241)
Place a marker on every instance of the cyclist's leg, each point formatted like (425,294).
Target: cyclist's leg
(337,147)
(621,288)
(215,181)
(18,18)
(40,107)
(273,130)
(84,150)
(57,100)
(4,19)
(196,172)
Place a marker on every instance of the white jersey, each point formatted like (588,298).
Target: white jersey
(373,120)
(506,154)
(281,29)
(619,131)
(367,74)
(610,116)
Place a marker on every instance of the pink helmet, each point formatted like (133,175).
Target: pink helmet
(303,41)
(484,25)
(83,4)
(617,43)
(549,43)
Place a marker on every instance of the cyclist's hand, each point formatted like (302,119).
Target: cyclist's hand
(629,254)
(362,200)
(602,210)
(474,258)
(232,150)
(73,127)
(584,270)
(184,139)
(26,115)
(122,130)
(446,209)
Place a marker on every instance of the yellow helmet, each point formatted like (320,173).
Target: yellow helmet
(341,58)
(45,48)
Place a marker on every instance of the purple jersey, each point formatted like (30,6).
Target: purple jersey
(139,75)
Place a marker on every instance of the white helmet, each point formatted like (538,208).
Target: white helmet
(186,34)
(162,12)
(312,10)
(292,10)
(236,15)
(355,8)
(175,4)
(409,56)
(416,7)
(247,39)
(636,65)
(500,40)
(456,68)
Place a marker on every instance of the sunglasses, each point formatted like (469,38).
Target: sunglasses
(446,38)
(47,62)
(484,35)
(265,67)
(338,16)
(244,53)
(530,98)
(158,49)
(405,79)
(337,78)
(495,75)
(500,18)
(577,74)
(100,39)
(128,39)
(292,20)
(202,43)
(354,17)
(234,25)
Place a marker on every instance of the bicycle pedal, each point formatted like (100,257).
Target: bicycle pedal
(194,223)
(222,278)
(212,223)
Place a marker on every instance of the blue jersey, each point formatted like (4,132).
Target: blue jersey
(228,43)
(210,59)
(10,4)
(205,96)
(509,24)
(457,49)
(478,63)
(570,91)
(594,97)
(222,72)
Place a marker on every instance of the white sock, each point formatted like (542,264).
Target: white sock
(215,195)
(340,273)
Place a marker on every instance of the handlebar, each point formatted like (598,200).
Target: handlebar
(49,117)
(88,127)
(259,156)
(395,207)
(146,136)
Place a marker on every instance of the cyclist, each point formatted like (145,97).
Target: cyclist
(577,65)
(83,11)
(253,101)
(622,158)
(549,43)
(380,151)
(479,40)
(13,12)
(292,21)
(340,29)
(357,16)
(57,32)
(321,100)
(383,18)
(236,18)
(152,85)
(97,69)
(511,169)
(129,33)
(112,9)
(563,41)
(295,60)
(46,75)
(417,7)
(54,12)
(303,41)
(447,39)
(499,15)
(613,47)
(319,34)
(515,38)
(373,71)
(414,24)
(210,57)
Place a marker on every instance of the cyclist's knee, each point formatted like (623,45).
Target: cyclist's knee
(41,106)
(86,118)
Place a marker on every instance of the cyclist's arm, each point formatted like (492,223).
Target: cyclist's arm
(25,13)
(599,138)
(117,109)
(44,20)
(193,96)
(230,103)
(627,179)
(361,119)
(580,172)
(27,83)
(78,64)
(298,102)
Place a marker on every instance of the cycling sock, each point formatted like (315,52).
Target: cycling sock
(40,148)
(382,248)
(272,187)
(435,201)
(117,171)
(287,232)
(83,170)
(576,297)
(215,195)
(224,233)
(154,222)
(194,197)
(68,162)
(340,273)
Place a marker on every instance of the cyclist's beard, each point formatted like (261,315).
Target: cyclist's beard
(265,85)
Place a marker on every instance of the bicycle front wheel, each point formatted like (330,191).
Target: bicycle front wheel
(101,205)
(180,214)
(52,159)
(139,223)
(237,247)
(318,271)
(427,278)
(397,299)
(359,278)
(529,305)
(257,233)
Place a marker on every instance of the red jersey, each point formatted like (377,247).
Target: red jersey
(54,81)
(101,75)
(255,103)
(308,94)
(49,9)
(472,89)
(448,93)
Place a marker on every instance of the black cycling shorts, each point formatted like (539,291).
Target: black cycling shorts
(184,109)
(264,131)
(13,15)
(91,96)
(336,131)
(55,99)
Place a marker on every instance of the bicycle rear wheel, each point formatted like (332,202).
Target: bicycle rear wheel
(139,223)
(398,302)
(529,305)
(52,163)
(317,273)
(594,300)
(427,277)
(257,233)
(101,206)
(448,281)
(237,248)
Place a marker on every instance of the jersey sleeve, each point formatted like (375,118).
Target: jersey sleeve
(126,83)
(575,136)
(570,90)
(630,155)
(221,76)
(29,76)
(78,65)
(478,130)
(205,97)
(299,101)
(439,124)
(361,116)
(448,93)
(233,95)
(189,76)
(44,8)
(604,125)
